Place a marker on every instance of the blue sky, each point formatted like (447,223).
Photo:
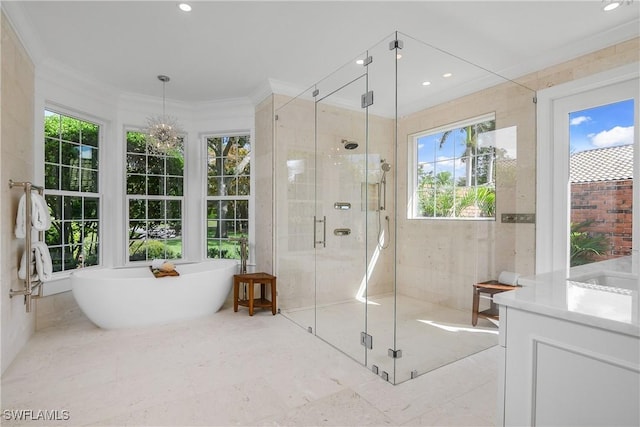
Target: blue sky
(454,147)
(603,126)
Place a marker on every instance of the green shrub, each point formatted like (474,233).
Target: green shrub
(150,249)
(585,246)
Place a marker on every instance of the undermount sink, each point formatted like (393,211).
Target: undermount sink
(609,279)
(606,294)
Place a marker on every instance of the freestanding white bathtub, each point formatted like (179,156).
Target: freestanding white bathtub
(131,297)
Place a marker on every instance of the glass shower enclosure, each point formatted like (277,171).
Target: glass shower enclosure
(396,176)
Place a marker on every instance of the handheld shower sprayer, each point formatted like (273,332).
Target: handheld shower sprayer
(386,167)
(382,195)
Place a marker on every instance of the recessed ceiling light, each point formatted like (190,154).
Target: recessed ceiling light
(185,7)
(445,75)
(610,5)
(426,83)
(398,56)
(360,61)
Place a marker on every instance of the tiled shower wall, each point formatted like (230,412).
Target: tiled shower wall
(16,162)
(341,174)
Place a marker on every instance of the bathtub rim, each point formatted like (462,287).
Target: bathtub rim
(85,272)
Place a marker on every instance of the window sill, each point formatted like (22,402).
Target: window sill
(441,218)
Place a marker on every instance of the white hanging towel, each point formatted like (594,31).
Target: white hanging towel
(40,218)
(40,265)
(22,271)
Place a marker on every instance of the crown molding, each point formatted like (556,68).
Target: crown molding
(18,20)
(574,50)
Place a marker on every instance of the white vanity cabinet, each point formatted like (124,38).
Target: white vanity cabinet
(565,362)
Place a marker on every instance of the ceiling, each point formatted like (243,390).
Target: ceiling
(232,49)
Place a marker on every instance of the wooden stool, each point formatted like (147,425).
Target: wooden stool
(251,302)
(490,288)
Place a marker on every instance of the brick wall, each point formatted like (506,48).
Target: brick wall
(609,205)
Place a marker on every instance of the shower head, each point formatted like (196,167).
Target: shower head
(349,145)
(386,167)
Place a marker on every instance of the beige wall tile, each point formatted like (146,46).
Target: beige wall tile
(16,140)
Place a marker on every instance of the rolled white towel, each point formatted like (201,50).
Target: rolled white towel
(508,278)
(157,263)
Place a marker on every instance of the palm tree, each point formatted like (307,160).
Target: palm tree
(471,133)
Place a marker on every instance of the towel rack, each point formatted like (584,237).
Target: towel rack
(29,285)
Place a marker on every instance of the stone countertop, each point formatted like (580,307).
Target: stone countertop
(576,299)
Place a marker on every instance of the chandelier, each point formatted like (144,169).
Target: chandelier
(163,132)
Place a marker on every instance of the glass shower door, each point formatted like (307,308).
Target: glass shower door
(340,217)
(295,181)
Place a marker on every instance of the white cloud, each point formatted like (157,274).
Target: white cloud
(447,161)
(579,120)
(615,136)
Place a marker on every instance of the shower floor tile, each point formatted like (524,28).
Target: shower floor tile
(429,335)
(230,369)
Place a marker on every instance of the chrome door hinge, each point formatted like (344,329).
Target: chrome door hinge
(367,99)
(396,44)
(394,354)
(366,340)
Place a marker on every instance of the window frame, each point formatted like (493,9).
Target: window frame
(42,161)
(152,197)
(552,229)
(412,179)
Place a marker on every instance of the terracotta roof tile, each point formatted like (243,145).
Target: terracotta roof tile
(602,164)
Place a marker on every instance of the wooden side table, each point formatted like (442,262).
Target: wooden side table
(489,288)
(251,302)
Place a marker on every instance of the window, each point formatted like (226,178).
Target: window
(453,170)
(596,115)
(228,193)
(155,199)
(601,168)
(71,152)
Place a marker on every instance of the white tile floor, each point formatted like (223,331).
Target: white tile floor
(429,335)
(231,369)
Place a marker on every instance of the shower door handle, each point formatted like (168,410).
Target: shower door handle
(324,232)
